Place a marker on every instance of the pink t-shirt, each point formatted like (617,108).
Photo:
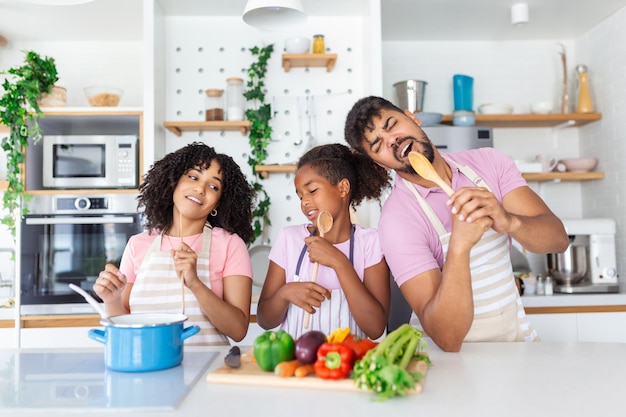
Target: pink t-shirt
(409,241)
(288,245)
(228,255)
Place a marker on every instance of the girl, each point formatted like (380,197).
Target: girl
(351,264)
(198,210)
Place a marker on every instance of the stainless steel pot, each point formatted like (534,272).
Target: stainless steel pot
(570,267)
(410,94)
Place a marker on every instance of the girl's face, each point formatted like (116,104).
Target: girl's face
(198,191)
(316,193)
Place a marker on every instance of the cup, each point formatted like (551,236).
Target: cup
(548,162)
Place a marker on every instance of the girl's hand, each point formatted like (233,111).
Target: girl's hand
(110,284)
(323,252)
(186,264)
(306,295)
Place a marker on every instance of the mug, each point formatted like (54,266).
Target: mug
(548,162)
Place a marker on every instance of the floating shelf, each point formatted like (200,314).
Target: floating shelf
(266,170)
(309,61)
(178,128)
(531,120)
(563,176)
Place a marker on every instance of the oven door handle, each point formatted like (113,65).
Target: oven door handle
(80,220)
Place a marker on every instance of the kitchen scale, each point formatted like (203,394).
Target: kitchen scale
(79,380)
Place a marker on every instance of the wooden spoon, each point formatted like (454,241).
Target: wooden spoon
(182,277)
(324,224)
(424,169)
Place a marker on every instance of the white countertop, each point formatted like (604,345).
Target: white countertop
(484,379)
(575,300)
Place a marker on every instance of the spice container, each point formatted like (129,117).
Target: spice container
(214,105)
(234,99)
(548,286)
(540,289)
(318,44)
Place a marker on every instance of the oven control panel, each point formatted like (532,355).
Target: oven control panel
(82,203)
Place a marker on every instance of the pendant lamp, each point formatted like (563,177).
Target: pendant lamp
(274,14)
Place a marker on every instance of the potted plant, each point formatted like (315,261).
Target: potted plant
(259,115)
(20,112)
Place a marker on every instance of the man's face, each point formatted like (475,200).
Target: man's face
(390,138)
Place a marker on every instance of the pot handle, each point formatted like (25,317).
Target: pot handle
(189,331)
(97,335)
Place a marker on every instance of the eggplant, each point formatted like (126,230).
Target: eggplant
(233,357)
(307,345)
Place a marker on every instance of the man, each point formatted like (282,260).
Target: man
(450,254)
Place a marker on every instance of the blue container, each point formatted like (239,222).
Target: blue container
(143,342)
(463,87)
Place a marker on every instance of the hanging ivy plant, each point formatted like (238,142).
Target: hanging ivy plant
(19,111)
(259,114)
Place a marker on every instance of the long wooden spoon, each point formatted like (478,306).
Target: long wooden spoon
(324,224)
(182,276)
(424,169)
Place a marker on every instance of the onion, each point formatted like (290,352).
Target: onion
(307,345)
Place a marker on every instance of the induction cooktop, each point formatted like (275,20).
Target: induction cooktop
(79,380)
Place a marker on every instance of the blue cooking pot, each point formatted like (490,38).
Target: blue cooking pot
(143,342)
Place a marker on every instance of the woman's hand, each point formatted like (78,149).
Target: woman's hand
(186,265)
(110,284)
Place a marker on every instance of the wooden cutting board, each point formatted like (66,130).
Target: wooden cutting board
(249,373)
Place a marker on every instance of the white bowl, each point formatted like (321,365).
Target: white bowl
(429,119)
(495,108)
(541,107)
(297,45)
(580,164)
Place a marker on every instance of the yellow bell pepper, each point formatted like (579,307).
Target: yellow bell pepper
(338,335)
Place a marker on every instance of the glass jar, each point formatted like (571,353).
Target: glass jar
(214,105)
(318,44)
(235,108)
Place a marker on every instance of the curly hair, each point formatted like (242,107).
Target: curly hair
(336,162)
(360,118)
(235,205)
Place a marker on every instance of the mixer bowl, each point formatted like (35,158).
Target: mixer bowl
(570,267)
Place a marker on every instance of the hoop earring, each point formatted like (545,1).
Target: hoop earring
(214,212)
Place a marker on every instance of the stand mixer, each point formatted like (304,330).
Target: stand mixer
(588,265)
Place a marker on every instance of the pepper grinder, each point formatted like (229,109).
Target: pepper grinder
(584,98)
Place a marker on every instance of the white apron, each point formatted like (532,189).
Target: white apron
(498,311)
(332,314)
(157,289)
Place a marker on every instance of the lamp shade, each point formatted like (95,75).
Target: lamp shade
(519,14)
(274,14)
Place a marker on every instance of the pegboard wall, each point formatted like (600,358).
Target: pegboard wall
(309,104)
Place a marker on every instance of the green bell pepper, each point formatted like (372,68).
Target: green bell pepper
(272,348)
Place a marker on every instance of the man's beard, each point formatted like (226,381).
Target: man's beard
(428,152)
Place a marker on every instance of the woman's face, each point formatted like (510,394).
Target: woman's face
(316,193)
(198,191)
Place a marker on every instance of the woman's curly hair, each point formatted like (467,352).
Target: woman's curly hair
(234,212)
(336,162)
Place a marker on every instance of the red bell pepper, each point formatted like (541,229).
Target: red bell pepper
(359,346)
(334,361)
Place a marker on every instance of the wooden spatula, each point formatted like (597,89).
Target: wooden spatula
(424,169)
(324,224)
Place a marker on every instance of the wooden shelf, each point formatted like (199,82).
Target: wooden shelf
(266,170)
(61,192)
(178,128)
(531,120)
(309,61)
(4,185)
(563,176)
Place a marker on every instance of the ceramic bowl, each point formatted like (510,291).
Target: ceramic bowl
(297,45)
(580,164)
(495,108)
(541,107)
(429,119)
(463,118)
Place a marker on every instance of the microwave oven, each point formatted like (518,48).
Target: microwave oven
(90,161)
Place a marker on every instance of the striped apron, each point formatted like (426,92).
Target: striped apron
(498,311)
(332,314)
(157,288)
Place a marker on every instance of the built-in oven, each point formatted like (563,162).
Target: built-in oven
(69,239)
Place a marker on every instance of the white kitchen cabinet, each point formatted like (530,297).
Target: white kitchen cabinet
(580,327)
(57,337)
(8,338)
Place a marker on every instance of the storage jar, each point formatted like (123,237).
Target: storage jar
(318,44)
(214,105)
(235,108)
